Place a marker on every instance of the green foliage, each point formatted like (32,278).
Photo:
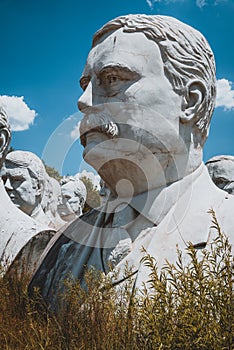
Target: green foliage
(52,172)
(191,306)
(93,198)
(187,307)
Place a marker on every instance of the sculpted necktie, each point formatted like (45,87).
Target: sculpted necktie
(118,222)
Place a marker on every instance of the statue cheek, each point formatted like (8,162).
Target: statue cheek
(134,91)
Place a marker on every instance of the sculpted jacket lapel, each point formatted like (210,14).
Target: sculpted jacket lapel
(181,224)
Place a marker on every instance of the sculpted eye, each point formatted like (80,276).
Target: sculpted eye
(67,196)
(109,79)
(84,82)
(112,79)
(221,182)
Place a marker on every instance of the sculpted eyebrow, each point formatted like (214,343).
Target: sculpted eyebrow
(17,177)
(118,69)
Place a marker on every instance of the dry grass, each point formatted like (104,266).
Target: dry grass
(188,307)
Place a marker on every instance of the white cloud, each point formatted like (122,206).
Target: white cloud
(150,3)
(75,133)
(94,178)
(20,115)
(225,94)
(201,3)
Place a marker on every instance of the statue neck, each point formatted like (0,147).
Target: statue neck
(127,179)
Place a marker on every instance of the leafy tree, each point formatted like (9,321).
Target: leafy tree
(93,198)
(52,172)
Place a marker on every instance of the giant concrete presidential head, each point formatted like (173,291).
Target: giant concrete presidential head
(149,93)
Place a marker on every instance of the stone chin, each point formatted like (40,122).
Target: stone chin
(98,149)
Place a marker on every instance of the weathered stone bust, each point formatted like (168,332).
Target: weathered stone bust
(104,192)
(149,93)
(22,239)
(221,170)
(25,181)
(51,203)
(73,198)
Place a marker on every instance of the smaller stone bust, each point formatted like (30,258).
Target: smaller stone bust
(104,192)
(25,181)
(22,239)
(221,170)
(54,200)
(73,198)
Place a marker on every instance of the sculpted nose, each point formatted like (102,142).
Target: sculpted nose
(85,100)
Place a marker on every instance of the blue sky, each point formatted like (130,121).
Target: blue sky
(44,45)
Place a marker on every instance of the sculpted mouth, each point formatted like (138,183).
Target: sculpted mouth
(100,123)
(83,138)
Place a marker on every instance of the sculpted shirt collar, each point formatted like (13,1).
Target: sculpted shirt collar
(155,204)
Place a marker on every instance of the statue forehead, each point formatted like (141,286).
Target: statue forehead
(224,166)
(55,185)
(13,171)
(70,186)
(123,49)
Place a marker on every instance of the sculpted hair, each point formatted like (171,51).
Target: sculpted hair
(30,161)
(4,121)
(217,159)
(5,135)
(79,186)
(185,53)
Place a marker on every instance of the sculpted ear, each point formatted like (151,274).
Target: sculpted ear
(192,101)
(4,141)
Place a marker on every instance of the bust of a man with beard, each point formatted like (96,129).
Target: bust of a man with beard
(149,93)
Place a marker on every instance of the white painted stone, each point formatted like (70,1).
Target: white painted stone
(74,195)
(54,201)
(104,192)
(221,170)
(25,182)
(22,239)
(149,94)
